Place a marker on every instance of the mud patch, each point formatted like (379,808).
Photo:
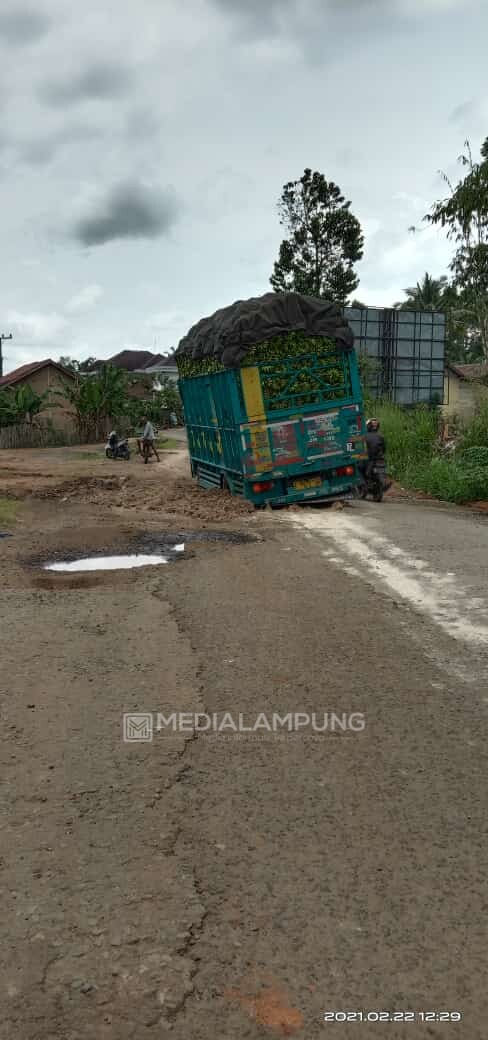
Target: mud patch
(82,486)
(270,1008)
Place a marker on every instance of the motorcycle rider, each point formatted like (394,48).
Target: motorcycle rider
(376,445)
(113,441)
(148,438)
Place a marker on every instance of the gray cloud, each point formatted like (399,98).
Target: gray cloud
(463,112)
(142,124)
(38,152)
(41,150)
(97,82)
(359,5)
(256,17)
(310,21)
(23,26)
(131,210)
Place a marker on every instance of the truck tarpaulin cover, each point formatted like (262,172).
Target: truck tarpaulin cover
(229,333)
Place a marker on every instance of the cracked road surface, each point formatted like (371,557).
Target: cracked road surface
(222,888)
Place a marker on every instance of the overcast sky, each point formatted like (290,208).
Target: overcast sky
(144,145)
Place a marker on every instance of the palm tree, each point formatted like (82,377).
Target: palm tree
(431,294)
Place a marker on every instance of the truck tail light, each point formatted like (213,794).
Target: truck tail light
(345,471)
(262,485)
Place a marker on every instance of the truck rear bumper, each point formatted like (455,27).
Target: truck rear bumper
(285,491)
(280,489)
(318,496)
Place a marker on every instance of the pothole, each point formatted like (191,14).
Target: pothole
(112,563)
(146,549)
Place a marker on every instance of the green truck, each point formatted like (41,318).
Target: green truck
(272,401)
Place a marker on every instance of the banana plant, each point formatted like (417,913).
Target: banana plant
(21,404)
(96,400)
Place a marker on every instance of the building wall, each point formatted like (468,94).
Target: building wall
(461,397)
(60,414)
(168,372)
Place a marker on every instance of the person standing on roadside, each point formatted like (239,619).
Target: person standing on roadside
(148,439)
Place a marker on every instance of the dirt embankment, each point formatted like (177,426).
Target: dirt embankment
(125,488)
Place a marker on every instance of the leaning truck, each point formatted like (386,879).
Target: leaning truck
(272,400)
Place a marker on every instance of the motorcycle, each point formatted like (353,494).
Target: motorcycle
(115,449)
(375,481)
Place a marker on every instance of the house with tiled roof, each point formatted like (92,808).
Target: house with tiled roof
(144,364)
(162,365)
(131,360)
(44,376)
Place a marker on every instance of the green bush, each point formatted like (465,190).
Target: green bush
(449,480)
(476,431)
(410,434)
(476,456)
(412,455)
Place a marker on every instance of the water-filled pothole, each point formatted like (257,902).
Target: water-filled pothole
(111,563)
(145,549)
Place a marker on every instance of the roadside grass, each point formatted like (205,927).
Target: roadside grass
(162,443)
(167,443)
(450,480)
(8,511)
(475,433)
(415,460)
(410,436)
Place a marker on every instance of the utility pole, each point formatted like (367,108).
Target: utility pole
(2,337)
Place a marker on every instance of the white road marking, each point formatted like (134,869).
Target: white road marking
(439,595)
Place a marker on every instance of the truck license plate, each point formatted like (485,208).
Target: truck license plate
(310,482)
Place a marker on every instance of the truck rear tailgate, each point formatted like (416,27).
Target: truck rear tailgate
(302,441)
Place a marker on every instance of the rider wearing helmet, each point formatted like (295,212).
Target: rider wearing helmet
(375,443)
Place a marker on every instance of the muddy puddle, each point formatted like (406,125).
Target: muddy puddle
(148,549)
(120,562)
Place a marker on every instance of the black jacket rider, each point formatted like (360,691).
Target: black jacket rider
(376,446)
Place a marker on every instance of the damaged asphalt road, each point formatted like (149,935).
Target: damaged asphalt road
(223,888)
